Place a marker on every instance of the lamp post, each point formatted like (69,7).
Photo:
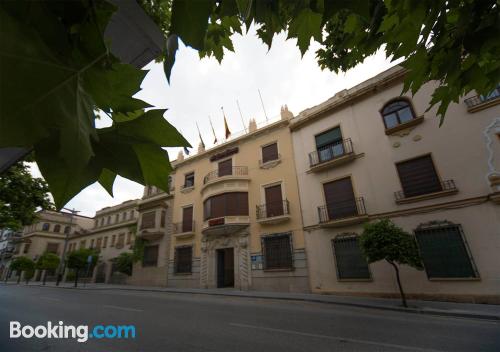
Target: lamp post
(62,263)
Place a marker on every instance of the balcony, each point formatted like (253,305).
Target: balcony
(343,213)
(331,155)
(273,212)
(234,179)
(225,225)
(233,172)
(184,229)
(444,188)
(480,102)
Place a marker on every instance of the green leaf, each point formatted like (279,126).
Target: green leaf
(106,180)
(155,165)
(170,52)
(190,21)
(307,24)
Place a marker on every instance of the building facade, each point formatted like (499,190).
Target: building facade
(369,153)
(232,218)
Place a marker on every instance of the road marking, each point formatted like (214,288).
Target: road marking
(50,298)
(124,308)
(336,338)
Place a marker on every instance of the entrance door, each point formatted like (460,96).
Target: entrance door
(340,200)
(225,267)
(274,201)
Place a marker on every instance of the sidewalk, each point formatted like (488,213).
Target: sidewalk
(461,310)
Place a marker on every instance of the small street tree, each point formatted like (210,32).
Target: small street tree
(382,240)
(124,263)
(78,261)
(21,264)
(48,261)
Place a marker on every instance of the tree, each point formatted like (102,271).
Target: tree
(20,196)
(47,261)
(78,260)
(20,264)
(382,240)
(57,69)
(124,263)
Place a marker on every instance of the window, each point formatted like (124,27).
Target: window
(129,238)
(26,248)
(52,247)
(225,167)
(274,201)
(187,219)
(396,113)
(418,176)
(67,229)
(46,227)
(57,228)
(124,216)
(117,218)
(226,204)
(108,220)
(92,241)
(113,240)
(99,243)
(270,152)
(340,200)
(444,251)
(183,259)
(329,145)
(189,180)
(82,244)
(277,250)
(121,241)
(349,260)
(148,220)
(105,242)
(150,257)
(131,214)
(163,218)
(102,221)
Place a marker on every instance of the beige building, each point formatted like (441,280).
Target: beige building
(232,219)
(368,153)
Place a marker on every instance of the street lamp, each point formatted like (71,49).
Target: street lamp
(62,263)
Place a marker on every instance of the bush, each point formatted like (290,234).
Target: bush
(123,263)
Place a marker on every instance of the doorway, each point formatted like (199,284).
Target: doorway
(225,267)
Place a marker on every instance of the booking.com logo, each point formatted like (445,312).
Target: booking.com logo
(80,332)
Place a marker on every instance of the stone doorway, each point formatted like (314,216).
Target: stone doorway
(225,267)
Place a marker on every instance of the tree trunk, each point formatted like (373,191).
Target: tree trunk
(44,273)
(403,297)
(76,277)
(19,277)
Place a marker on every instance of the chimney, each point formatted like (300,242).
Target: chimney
(285,113)
(252,125)
(201,148)
(180,156)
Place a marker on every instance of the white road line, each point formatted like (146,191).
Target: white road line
(336,338)
(124,308)
(50,298)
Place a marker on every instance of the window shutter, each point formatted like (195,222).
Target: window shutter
(150,257)
(187,219)
(340,200)
(270,152)
(226,167)
(274,201)
(418,176)
(148,220)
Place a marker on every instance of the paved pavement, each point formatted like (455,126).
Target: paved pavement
(167,321)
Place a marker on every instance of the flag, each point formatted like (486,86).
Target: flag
(199,134)
(226,127)
(213,131)
(186,150)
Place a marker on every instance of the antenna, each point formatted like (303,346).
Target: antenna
(262,102)
(243,121)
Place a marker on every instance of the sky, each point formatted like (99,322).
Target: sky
(199,88)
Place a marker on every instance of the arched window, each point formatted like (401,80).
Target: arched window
(46,227)
(397,112)
(67,229)
(57,228)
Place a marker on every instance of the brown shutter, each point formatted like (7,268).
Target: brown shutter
(270,152)
(148,220)
(150,257)
(418,176)
(187,219)
(52,247)
(274,201)
(340,200)
(226,167)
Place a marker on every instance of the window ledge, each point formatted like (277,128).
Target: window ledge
(184,235)
(456,279)
(270,164)
(278,270)
(345,221)
(183,274)
(427,196)
(335,162)
(403,126)
(484,105)
(355,280)
(187,189)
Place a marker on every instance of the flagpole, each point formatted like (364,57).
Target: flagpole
(241,115)
(262,102)
(213,131)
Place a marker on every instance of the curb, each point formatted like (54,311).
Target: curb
(423,311)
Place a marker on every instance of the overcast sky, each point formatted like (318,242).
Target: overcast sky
(200,87)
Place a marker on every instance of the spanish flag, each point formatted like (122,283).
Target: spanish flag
(226,127)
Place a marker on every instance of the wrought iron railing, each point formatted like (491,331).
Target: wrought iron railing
(447,185)
(479,99)
(233,171)
(331,152)
(182,227)
(273,209)
(341,210)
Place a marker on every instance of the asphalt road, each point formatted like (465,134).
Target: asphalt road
(184,322)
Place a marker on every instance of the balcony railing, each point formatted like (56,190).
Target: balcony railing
(341,210)
(183,227)
(444,186)
(273,209)
(331,152)
(233,171)
(480,99)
